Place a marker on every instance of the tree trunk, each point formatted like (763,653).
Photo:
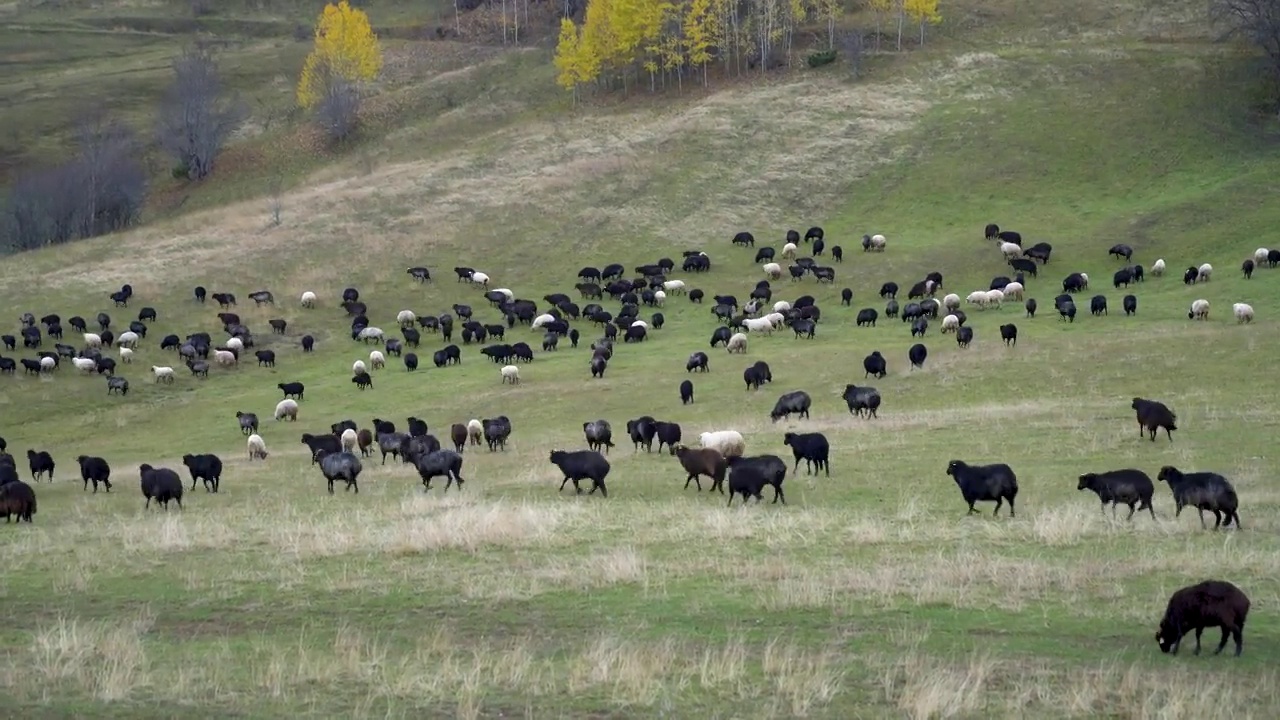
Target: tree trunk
(901,19)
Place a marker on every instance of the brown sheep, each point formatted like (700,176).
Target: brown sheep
(1212,603)
(364,439)
(458,433)
(17,498)
(702,461)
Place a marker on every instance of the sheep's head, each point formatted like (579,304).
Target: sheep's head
(1086,481)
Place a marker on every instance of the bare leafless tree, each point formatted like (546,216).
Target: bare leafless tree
(275,200)
(338,111)
(1257,21)
(851,44)
(196,117)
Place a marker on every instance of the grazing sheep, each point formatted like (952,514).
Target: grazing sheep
(1243,312)
(475,431)
(728,442)
(376,360)
(308,299)
(979,483)
(17,498)
(797,402)
(511,373)
(406,318)
(161,485)
(1203,491)
(458,434)
(686,392)
(749,475)
(127,339)
(257,447)
(878,243)
(1203,272)
(1247,268)
(789,251)
(737,343)
(163,374)
(1199,310)
(340,466)
(702,461)
(917,354)
(813,448)
(48,364)
(1011,250)
(206,469)
(675,287)
(1129,486)
(1209,604)
(994,297)
(358,367)
(964,336)
(480,278)
(126,355)
(85,365)
(1013,291)
(287,409)
(580,465)
(772,270)
(224,357)
(950,323)
(874,364)
(92,340)
(235,345)
(1260,256)
(369,333)
(296,389)
(363,380)
(1157,267)
(94,470)
(1130,304)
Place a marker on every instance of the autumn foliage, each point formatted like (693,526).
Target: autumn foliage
(346,49)
(669,39)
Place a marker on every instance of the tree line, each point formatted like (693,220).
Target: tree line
(622,41)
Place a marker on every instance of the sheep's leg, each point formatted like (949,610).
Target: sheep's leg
(1237,631)
(1203,526)
(777,494)
(1152,509)
(1227,632)
(999,504)
(972,509)
(1199,630)
(1169,433)
(566,482)
(1132,509)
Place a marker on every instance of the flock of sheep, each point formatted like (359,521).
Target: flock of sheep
(721,455)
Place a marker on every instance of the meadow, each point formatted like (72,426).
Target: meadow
(870,593)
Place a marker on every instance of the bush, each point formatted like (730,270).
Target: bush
(338,111)
(818,59)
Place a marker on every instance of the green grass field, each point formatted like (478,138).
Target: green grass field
(871,593)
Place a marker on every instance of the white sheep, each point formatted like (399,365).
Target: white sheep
(737,343)
(235,344)
(541,320)
(788,251)
(995,297)
(930,287)
(358,367)
(1157,267)
(951,301)
(758,325)
(308,299)
(773,271)
(511,373)
(641,323)
(47,364)
(257,448)
(1243,312)
(1011,250)
(349,440)
(506,292)
(480,278)
(674,286)
(376,360)
(92,340)
(1085,277)
(977,297)
(370,333)
(728,442)
(1260,256)
(475,431)
(781,306)
(1199,310)
(950,323)
(126,355)
(85,365)
(878,243)
(1205,271)
(406,318)
(224,357)
(127,339)
(287,408)
(777,319)
(659,297)
(1013,291)
(162,373)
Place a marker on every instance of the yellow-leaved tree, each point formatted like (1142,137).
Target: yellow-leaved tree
(699,33)
(923,12)
(568,61)
(345,47)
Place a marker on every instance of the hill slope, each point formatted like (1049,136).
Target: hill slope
(869,594)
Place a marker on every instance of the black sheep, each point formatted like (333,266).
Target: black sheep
(979,483)
(669,434)
(754,473)
(599,434)
(581,465)
(1129,486)
(813,448)
(796,402)
(1203,491)
(248,422)
(1031,307)
(340,466)
(41,462)
(362,380)
(389,443)
(295,389)
(917,355)
(496,432)
(161,485)
(642,431)
(686,392)
(867,316)
(1210,604)
(699,360)
(862,399)
(1121,251)
(206,468)
(440,462)
(94,470)
(458,435)
(1152,416)
(1009,333)
(964,336)
(1130,305)
(1098,305)
(1247,267)
(321,443)
(17,498)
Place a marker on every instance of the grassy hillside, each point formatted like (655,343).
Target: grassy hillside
(870,594)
